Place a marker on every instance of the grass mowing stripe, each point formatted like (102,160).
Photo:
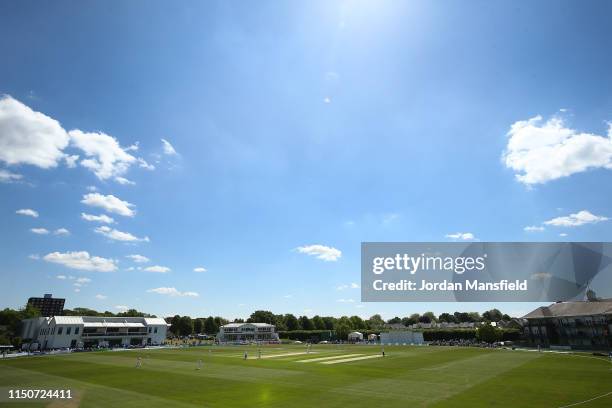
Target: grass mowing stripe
(84,389)
(312,360)
(346,360)
(285,354)
(421,376)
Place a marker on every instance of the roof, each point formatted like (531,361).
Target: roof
(562,309)
(68,319)
(103,321)
(149,321)
(247,324)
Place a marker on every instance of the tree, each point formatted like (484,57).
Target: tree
(357,322)
(306,323)
(330,322)
(318,323)
(343,328)
(395,320)
(447,317)
(198,325)
(462,317)
(412,319)
(210,326)
(280,322)
(185,326)
(425,319)
(292,322)
(29,312)
(175,325)
(132,313)
(262,316)
(376,322)
(475,317)
(492,315)
(488,333)
(431,316)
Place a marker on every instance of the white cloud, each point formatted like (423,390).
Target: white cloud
(288,296)
(138,258)
(121,307)
(462,236)
(172,292)
(345,300)
(390,218)
(29,137)
(327,99)
(77,290)
(34,257)
(575,220)
(61,277)
(168,148)
(105,219)
(199,269)
(71,160)
(157,269)
(563,234)
(143,164)
(125,182)
(92,188)
(321,252)
(109,203)
(105,156)
(9,177)
(27,211)
(100,297)
(540,152)
(61,231)
(353,285)
(81,260)
(40,231)
(533,228)
(117,235)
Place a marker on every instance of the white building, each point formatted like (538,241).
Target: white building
(85,331)
(247,332)
(355,337)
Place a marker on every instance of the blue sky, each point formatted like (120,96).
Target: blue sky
(293,124)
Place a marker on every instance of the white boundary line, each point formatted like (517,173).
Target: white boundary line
(585,401)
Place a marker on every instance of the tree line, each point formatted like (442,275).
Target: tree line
(185,325)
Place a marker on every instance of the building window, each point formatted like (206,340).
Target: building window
(68,330)
(149,330)
(76,330)
(155,330)
(59,330)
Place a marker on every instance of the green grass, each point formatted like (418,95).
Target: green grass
(407,376)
